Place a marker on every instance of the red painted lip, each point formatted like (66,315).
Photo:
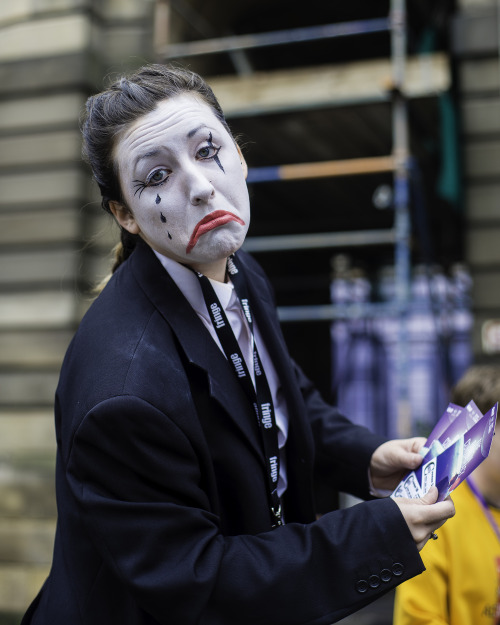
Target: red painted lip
(209,222)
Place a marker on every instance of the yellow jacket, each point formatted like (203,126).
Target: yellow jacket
(461,583)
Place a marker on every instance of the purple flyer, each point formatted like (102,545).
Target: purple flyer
(452,453)
(454,422)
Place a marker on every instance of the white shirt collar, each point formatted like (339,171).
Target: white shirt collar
(189,285)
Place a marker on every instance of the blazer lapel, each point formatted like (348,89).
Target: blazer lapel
(267,319)
(197,343)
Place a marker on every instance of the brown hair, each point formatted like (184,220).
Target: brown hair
(122,103)
(481,383)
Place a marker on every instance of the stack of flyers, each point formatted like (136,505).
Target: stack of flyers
(458,444)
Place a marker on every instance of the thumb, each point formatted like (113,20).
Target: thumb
(411,459)
(407,453)
(430,496)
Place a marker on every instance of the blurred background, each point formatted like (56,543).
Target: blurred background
(372,133)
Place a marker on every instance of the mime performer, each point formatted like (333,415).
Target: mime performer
(188,441)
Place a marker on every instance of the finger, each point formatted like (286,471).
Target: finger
(432,535)
(422,543)
(435,526)
(416,443)
(413,460)
(426,532)
(430,496)
(446,509)
(440,513)
(409,455)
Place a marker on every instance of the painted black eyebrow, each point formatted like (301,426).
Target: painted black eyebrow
(149,154)
(191,133)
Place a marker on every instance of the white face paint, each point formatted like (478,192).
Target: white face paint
(183,182)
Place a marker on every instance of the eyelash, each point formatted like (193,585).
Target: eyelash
(140,185)
(210,146)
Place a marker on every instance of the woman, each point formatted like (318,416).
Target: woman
(461,584)
(187,438)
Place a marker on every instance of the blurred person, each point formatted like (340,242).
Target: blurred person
(461,584)
(187,437)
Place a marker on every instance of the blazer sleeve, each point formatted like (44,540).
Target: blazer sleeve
(138,484)
(342,449)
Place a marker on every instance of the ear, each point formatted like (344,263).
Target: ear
(243,161)
(124,217)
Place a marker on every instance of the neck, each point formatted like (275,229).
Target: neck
(215,270)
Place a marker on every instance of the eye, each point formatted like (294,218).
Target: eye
(155,178)
(158,177)
(207,152)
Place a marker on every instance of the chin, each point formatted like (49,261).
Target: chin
(217,249)
(231,249)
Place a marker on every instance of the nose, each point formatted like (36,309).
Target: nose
(200,188)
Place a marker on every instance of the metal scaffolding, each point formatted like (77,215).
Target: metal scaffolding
(398,162)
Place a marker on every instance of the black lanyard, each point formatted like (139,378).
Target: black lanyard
(260,395)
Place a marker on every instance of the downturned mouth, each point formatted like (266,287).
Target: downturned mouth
(209,222)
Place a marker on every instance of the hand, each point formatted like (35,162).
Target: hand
(392,460)
(424,515)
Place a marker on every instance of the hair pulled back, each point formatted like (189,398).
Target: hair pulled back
(108,113)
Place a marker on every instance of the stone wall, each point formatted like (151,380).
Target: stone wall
(476,51)
(53,54)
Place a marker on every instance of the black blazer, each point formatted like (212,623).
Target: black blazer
(161,488)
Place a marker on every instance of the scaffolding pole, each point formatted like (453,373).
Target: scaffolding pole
(273,38)
(401,207)
(323,169)
(317,240)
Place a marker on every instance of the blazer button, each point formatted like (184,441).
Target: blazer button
(385,575)
(362,585)
(374,581)
(398,569)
